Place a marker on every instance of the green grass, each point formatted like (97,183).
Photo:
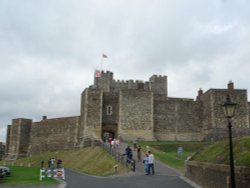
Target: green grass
(90,160)
(219,152)
(25,176)
(171,159)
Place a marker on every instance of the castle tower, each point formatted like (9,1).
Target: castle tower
(103,80)
(213,120)
(18,138)
(91,116)
(158,84)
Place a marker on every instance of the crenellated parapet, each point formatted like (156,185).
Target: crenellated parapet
(158,84)
(105,81)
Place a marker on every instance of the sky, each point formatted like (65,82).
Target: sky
(50,49)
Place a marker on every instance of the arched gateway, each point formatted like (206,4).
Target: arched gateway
(109,131)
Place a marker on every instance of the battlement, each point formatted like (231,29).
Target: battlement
(156,77)
(105,81)
(107,74)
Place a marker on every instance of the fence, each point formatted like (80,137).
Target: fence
(121,158)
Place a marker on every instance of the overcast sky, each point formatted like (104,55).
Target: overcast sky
(50,48)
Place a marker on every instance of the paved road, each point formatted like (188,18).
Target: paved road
(164,177)
(133,180)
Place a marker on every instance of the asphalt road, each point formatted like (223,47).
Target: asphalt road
(133,180)
(164,177)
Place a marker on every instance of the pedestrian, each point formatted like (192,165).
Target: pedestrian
(139,153)
(129,154)
(145,163)
(151,167)
(117,143)
(49,163)
(135,145)
(180,152)
(109,141)
(59,163)
(113,144)
(52,163)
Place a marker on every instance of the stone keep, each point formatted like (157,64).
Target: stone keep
(130,110)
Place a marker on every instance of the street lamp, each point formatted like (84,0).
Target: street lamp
(229,109)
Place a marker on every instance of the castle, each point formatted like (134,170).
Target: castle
(131,110)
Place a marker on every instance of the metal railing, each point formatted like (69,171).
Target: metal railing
(121,158)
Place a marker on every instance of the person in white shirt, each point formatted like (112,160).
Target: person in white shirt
(151,163)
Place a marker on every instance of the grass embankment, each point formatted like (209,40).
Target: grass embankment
(25,176)
(91,160)
(219,152)
(166,152)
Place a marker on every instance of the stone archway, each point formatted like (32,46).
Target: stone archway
(109,131)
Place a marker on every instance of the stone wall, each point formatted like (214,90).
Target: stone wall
(19,138)
(210,175)
(53,135)
(2,150)
(249,113)
(213,119)
(177,119)
(92,113)
(82,118)
(7,140)
(136,114)
(110,108)
(119,85)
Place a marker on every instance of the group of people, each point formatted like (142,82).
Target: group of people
(114,143)
(148,162)
(53,163)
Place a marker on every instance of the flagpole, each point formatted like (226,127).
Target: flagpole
(102,63)
(103,56)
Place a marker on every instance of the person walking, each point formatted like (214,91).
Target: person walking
(139,153)
(145,163)
(151,163)
(129,154)
(180,152)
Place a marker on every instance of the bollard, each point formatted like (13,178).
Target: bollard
(115,168)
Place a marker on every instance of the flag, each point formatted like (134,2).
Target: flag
(104,56)
(98,73)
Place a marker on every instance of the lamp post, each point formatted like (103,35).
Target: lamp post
(229,109)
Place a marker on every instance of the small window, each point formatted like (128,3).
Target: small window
(109,110)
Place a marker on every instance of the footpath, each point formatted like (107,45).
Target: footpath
(161,169)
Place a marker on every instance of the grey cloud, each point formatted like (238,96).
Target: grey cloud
(49,49)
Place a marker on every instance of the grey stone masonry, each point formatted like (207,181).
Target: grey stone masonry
(131,110)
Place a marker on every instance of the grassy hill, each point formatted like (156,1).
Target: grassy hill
(90,160)
(219,152)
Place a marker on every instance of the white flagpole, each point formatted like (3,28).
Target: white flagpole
(102,63)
